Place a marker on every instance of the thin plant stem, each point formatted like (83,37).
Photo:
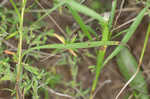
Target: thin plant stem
(19,66)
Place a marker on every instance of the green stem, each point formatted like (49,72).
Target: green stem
(19,67)
(100,58)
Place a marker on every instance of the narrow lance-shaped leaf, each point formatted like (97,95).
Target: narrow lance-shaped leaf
(112,15)
(74,45)
(80,22)
(85,10)
(128,35)
(100,57)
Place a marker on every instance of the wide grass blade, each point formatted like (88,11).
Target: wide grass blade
(128,66)
(85,10)
(132,78)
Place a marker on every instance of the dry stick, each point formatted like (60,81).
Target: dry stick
(138,69)
(128,22)
(139,65)
(78,91)
(57,93)
(49,56)
(7,43)
(101,86)
(3,3)
(120,10)
(53,20)
(128,9)
(131,96)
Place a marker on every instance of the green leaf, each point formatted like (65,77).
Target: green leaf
(128,35)
(81,23)
(73,45)
(32,69)
(128,66)
(85,10)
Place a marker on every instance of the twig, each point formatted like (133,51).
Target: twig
(57,93)
(78,91)
(53,20)
(3,3)
(128,22)
(101,86)
(131,96)
(121,7)
(7,43)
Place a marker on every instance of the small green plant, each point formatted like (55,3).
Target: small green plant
(33,39)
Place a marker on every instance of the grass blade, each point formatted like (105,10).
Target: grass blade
(85,10)
(111,18)
(100,57)
(120,33)
(81,23)
(128,35)
(105,37)
(16,9)
(74,45)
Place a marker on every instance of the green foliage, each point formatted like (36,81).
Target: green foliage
(81,23)
(36,35)
(6,73)
(128,34)
(128,65)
